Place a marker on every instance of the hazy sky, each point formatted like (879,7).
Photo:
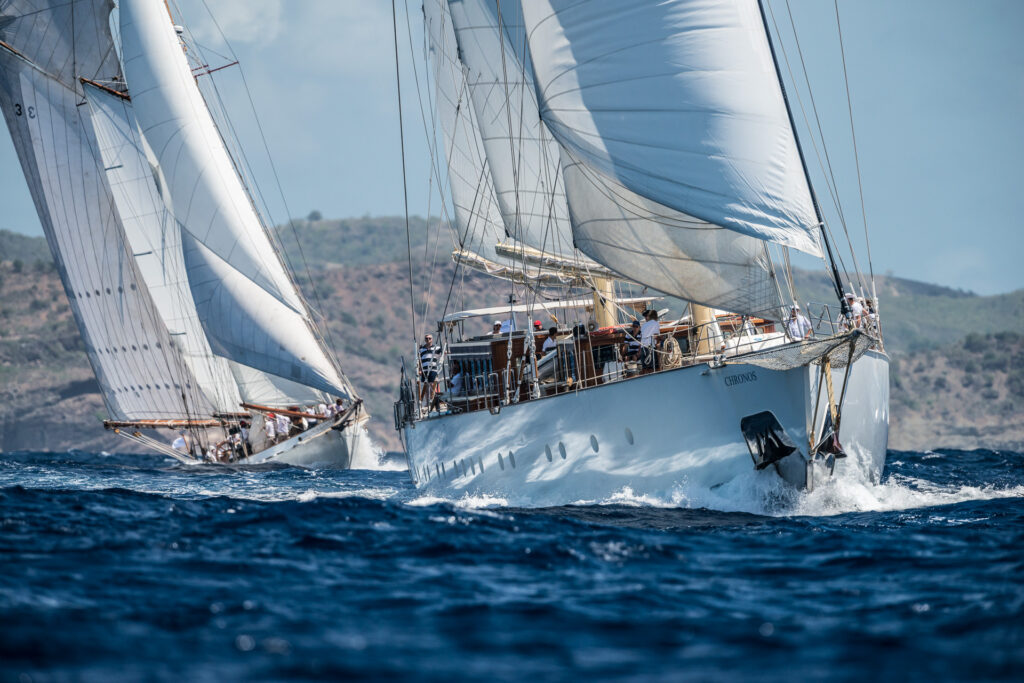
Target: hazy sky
(938,102)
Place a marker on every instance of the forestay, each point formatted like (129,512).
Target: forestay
(678,102)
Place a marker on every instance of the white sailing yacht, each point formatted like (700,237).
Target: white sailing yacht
(190,319)
(619,149)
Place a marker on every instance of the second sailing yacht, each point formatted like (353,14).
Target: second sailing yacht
(191,321)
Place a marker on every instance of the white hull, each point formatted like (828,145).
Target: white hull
(649,435)
(321,446)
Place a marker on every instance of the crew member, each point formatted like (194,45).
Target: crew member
(798,326)
(429,357)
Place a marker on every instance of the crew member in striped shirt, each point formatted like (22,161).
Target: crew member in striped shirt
(430,355)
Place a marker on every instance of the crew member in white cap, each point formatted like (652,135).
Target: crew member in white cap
(798,326)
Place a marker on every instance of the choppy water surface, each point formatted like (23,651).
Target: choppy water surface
(134,567)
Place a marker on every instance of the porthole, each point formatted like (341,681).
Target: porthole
(120,290)
(134,347)
(547,452)
(145,347)
(512,459)
(472,465)
(97,292)
(437,469)
(561,449)
(593,442)
(479,461)
(629,436)
(501,462)
(108,290)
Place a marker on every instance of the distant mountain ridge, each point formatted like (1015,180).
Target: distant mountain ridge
(356,271)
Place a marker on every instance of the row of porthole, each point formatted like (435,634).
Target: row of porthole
(88,295)
(460,469)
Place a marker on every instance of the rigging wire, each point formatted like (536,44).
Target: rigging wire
(856,156)
(405,184)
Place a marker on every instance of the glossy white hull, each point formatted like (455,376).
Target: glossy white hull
(320,446)
(648,435)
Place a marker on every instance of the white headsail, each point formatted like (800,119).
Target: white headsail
(522,155)
(479,225)
(676,101)
(46,45)
(249,308)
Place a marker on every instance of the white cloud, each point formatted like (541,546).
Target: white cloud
(241,21)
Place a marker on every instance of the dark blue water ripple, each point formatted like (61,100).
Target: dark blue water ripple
(118,567)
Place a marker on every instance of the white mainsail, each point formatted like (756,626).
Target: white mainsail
(140,372)
(522,156)
(136,180)
(249,308)
(678,102)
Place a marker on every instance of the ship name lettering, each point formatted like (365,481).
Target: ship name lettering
(741,378)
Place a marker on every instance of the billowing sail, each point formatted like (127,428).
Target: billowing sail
(666,249)
(135,361)
(207,197)
(269,390)
(522,155)
(678,102)
(155,239)
(253,328)
(249,308)
(479,225)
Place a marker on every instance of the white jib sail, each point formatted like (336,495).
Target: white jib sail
(253,328)
(677,101)
(208,198)
(479,225)
(268,390)
(522,155)
(135,181)
(249,309)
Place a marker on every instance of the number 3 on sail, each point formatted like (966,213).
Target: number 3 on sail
(190,320)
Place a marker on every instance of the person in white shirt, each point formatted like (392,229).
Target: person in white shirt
(270,427)
(284,425)
(550,341)
(496,328)
(180,444)
(798,326)
(649,331)
(856,312)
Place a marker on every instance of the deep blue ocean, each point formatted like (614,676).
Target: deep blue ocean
(119,567)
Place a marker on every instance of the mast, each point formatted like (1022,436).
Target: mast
(836,279)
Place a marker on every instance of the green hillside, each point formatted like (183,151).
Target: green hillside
(22,248)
